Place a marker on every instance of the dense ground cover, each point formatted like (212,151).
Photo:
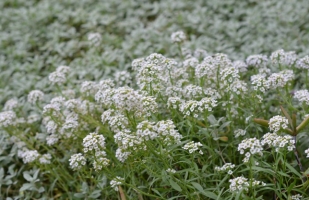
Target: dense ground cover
(109,100)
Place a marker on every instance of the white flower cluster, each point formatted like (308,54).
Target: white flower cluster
(250,146)
(256,183)
(241,66)
(191,62)
(278,123)
(10,104)
(77,161)
(192,107)
(93,141)
(302,96)
(228,75)
(178,37)
(7,118)
(303,63)
(283,58)
(192,91)
(89,88)
(227,167)
(297,197)
(239,132)
(307,152)
(126,99)
(278,142)
(257,61)
(116,182)
(59,76)
(122,78)
(29,156)
(116,121)
(259,82)
(174,102)
(277,80)
(239,184)
(35,96)
(130,142)
(172,171)
(193,146)
(45,159)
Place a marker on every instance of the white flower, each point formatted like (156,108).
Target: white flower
(29,156)
(250,146)
(77,161)
(116,182)
(173,171)
(279,142)
(239,132)
(193,146)
(178,37)
(45,159)
(227,167)
(7,118)
(278,123)
(10,104)
(257,60)
(93,141)
(302,96)
(303,63)
(307,152)
(238,184)
(297,197)
(35,96)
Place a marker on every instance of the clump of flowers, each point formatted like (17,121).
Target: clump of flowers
(239,132)
(7,118)
(172,171)
(279,142)
(278,123)
(93,141)
(193,146)
(257,61)
(302,96)
(77,161)
(29,156)
(303,63)
(10,104)
(227,167)
(297,197)
(283,58)
(45,159)
(250,146)
(116,182)
(178,37)
(239,184)
(35,96)
(59,76)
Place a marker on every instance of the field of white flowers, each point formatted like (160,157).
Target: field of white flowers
(149,99)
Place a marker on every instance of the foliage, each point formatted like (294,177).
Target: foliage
(182,123)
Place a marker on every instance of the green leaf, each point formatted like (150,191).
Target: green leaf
(208,194)
(293,170)
(175,185)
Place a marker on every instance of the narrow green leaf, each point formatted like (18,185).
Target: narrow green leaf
(302,125)
(262,122)
(293,170)
(208,194)
(175,185)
